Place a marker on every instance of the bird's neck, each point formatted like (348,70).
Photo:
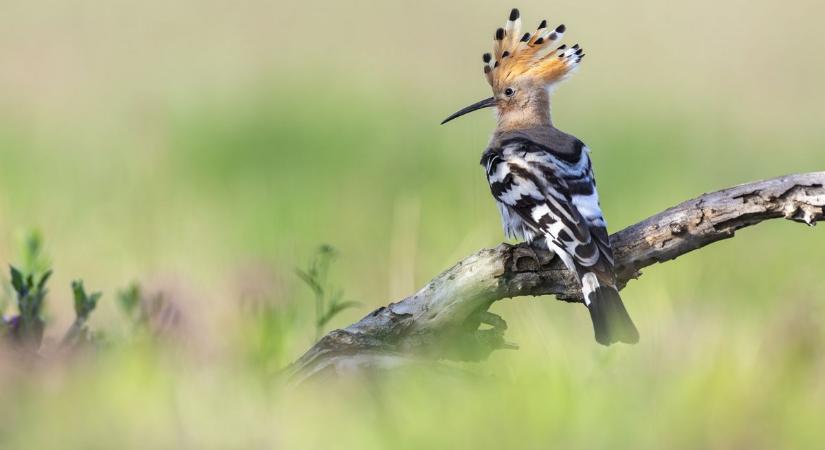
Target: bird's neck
(533,113)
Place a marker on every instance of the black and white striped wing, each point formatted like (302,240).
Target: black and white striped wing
(555,198)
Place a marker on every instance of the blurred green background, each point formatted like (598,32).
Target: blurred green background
(205,149)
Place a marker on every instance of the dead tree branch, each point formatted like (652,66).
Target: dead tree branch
(441,321)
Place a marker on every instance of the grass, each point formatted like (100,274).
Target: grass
(729,355)
(208,192)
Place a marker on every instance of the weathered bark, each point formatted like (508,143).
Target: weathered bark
(442,320)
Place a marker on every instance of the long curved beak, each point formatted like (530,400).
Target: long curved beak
(486,103)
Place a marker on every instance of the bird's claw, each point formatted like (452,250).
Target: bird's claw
(529,258)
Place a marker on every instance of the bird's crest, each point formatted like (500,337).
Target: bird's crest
(535,55)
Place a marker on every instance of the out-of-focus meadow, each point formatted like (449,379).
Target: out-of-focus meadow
(205,149)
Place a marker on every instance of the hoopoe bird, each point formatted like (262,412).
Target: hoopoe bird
(540,176)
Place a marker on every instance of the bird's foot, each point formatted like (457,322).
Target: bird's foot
(544,255)
(530,257)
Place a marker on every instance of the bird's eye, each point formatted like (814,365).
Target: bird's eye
(509,92)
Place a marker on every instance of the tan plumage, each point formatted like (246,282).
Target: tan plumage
(534,55)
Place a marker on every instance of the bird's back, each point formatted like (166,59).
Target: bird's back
(562,145)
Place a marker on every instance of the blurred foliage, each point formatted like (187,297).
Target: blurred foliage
(270,328)
(184,141)
(27,327)
(129,301)
(328,300)
(84,304)
(25,330)
(33,258)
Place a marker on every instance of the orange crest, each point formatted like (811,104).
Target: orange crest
(533,55)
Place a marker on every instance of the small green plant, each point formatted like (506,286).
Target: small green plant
(128,299)
(27,327)
(29,288)
(84,304)
(152,314)
(138,309)
(34,259)
(328,300)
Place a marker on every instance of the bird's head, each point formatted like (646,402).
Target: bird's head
(521,70)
